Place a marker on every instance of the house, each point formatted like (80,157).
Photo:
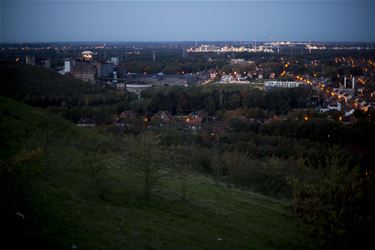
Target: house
(194,120)
(126,117)
(86,123)
(162,118)
(129,115)
(121,122)
(275,118)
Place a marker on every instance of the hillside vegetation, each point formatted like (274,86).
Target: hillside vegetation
(152,184)
(78,189)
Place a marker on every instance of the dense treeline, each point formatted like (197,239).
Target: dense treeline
(179,100)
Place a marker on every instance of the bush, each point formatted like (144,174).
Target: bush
(338,205)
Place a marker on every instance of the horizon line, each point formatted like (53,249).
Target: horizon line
(183,41)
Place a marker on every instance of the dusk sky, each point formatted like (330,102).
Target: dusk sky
(47,21)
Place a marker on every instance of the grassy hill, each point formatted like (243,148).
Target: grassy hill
(24,82)
(74,196)
(72,98)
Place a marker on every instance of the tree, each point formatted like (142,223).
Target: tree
(337,203)
(96,169)
(217,166)
(150,160)
(210,105)
(181,166)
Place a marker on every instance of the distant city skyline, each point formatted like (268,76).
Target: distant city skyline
(54,21)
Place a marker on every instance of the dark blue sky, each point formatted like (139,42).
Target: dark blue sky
(48,20)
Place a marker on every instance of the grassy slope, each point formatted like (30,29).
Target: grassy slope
(67,210)
(20,80)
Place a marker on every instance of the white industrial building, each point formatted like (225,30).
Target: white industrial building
(282,84)
(66,67)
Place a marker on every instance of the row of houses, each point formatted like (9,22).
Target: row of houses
(163,119)
(194,120)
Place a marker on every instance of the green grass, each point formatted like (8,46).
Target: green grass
(67,209)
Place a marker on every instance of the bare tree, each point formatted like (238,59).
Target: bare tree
(217,165)
(181,166)
(96,169)
(150,160)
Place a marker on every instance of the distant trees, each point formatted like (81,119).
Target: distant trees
(170,60)
(179,100)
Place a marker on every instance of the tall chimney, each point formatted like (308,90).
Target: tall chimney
(353,82)
(114,80)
